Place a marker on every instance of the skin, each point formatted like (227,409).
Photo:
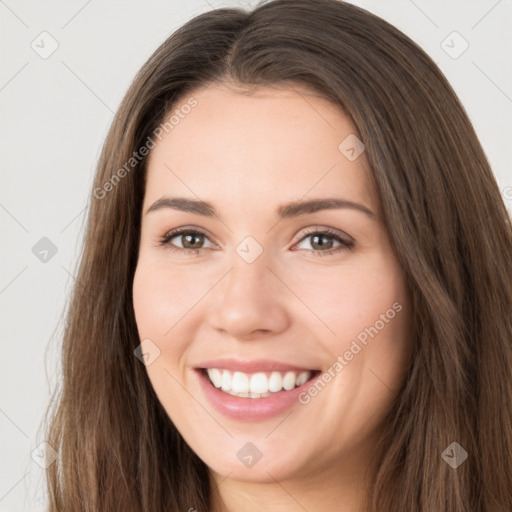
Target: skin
(247,154)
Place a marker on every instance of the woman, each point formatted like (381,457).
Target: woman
(212,361)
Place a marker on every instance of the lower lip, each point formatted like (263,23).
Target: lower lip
(250,408)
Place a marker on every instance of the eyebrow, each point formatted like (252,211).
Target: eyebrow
(285,211)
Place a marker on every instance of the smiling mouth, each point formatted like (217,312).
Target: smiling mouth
(258,384)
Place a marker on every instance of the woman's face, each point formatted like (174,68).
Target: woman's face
(259,296)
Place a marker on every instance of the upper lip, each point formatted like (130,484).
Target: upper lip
(257,365)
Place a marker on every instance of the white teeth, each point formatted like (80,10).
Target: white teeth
(226,381)
(215,377)
(256,385)
(289,380)
(275,383)
(259,383)
(240,383)
(302,378)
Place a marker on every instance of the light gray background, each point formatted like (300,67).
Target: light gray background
(55,113)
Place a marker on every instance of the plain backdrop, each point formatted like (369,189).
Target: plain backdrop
(55,112)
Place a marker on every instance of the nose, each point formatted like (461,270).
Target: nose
(250,301)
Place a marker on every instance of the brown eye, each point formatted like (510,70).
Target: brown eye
(191,240)
(322,242)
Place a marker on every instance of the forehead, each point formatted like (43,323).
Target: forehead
(242,146)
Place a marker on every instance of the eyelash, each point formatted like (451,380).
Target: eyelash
(345,243)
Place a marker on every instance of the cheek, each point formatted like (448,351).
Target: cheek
(147,301)
(163,292)
(365,306)
(159,303)
(352,296)
(160,313)
(368,311)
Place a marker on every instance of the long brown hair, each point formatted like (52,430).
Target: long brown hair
(117,448)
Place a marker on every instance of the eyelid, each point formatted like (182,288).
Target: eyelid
(308,231)
(326,230)
(343,238)
(182,231)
